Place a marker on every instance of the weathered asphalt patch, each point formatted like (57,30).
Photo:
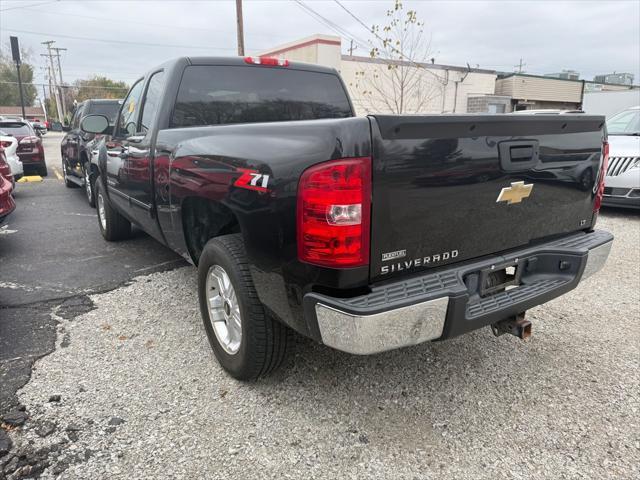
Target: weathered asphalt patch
(563,405)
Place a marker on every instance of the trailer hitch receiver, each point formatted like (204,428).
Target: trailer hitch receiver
(516,325)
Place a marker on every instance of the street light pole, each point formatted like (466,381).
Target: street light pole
(240,28)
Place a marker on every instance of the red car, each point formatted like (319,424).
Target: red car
(30,148)
(7,205)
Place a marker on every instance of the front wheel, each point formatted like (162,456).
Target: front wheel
(247,342)
(113,226)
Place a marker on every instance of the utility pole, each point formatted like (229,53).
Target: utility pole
(520,65)
(15,52)
(52,76)
(62,92)
(240,28)
(351,48)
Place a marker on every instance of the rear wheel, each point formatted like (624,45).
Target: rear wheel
(247,342)
(113,226)
(42,171)
(89,185)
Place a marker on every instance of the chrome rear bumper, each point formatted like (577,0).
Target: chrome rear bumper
(441,305)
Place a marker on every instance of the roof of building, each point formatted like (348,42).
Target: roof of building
(317,39)
(502,75)
(436,66)
(16,110)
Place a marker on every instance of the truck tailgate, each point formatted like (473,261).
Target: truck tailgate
(451,188)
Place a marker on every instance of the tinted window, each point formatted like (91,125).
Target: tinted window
(15,128)
(108,109)
(130,109)
(218,95)
(151,101)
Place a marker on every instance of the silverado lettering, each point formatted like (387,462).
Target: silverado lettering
(418,262)
(310,256)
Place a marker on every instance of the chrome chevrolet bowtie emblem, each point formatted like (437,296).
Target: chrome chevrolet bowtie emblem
(515,193)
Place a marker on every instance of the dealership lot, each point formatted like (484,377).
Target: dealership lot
(141,395)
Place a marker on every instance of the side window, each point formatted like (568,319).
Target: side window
(152,101)
(130,109)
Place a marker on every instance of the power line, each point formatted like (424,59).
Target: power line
(121,42)
(394,49)
(27,6)
(333,26)
(147,24)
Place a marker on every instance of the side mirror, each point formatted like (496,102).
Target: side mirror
(94,124)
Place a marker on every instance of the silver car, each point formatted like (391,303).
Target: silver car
(10,145)
(622,182)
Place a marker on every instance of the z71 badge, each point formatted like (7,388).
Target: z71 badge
(252,180)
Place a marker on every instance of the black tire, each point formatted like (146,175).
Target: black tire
(265,341)
(90,190)
(115,227)
(42,171)
(67,183)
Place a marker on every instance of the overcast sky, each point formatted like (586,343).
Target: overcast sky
(122,38)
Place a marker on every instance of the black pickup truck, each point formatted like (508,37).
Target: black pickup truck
(364,233)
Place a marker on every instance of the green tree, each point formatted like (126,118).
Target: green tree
(9,93)
(99,87)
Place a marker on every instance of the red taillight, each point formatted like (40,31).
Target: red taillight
(267,61)
(334,208)
(603,171)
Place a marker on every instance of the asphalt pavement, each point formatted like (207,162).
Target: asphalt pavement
(52,254)
(127,386)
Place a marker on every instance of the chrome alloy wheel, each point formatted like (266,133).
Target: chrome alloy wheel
(87,184)
(101,213)
(224,309)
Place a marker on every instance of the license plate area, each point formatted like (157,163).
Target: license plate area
(499,279)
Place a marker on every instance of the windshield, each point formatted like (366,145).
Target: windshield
(15,128)
(624,123)
(108,109)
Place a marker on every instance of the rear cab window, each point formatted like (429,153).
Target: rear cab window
(108,109)
(218,95)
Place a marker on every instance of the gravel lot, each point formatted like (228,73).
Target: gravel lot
(141,395)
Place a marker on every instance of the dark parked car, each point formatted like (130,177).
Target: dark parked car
(300,215)
(30,149)
(76,145)
(7,205)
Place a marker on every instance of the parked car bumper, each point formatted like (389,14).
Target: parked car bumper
(446,303)
(623,190)
(17,169)
(7,204)
(31,161)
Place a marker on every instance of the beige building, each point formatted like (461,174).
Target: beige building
(531,92)
(433,89)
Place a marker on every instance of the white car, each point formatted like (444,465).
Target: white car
(622,182)
(10,145)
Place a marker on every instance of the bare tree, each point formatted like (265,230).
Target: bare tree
(396,78)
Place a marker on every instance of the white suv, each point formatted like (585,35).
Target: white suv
(622,182)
